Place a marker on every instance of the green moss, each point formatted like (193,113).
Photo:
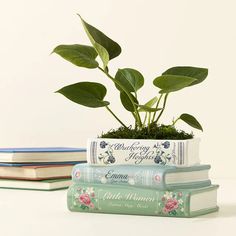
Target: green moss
(155,132)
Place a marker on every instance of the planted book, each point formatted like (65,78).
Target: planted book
(166,177)
(52,154)
(36,172)
(47,185)
(143,152)
(113,199)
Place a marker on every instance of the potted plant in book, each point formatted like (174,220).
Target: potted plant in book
(147,141)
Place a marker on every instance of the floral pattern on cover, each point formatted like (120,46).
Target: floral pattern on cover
(85,198)
(172,204)
(107,155)
(163,153)
(169,203)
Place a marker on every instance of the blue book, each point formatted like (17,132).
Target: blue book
(41,163)
(41,149)
(154,177)
(42,155)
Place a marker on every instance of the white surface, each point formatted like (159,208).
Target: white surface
(154,35)
(27,213)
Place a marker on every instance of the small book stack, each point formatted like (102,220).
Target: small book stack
(38,168)
(126,179)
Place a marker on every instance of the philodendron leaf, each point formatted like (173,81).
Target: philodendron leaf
(106,48)
(197,73)
(171,83)
(79,55)
(144,108)
(131,79)
(190,120)
(149,104)
(125,100)
(88,94)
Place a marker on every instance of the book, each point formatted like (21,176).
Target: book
(36,172)
(143,152)
(51,154)
(46,185)
(116,199)
(166,177)
(41,163)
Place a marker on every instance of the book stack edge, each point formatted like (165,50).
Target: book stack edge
(38,168)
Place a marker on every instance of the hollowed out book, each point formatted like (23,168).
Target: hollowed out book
(115,199)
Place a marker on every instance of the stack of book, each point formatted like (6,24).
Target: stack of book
(125,179)
(38,168)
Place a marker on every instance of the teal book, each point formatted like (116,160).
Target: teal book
(114,199)
(156,177)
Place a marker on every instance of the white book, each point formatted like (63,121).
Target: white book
(102,151)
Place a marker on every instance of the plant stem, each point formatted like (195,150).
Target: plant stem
(144,121)
(135,125)
(157,105)
(137,116)
(116,117)
(164,105)
(149,121)
(174,122)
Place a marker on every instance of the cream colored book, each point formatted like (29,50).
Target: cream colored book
(36,172)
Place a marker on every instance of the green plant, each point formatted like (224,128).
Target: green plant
(153,132)
(128,81)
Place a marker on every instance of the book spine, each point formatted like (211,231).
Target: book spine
(125,200)
(142,152)
(138,176)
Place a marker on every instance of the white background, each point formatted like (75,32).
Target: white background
(154,36)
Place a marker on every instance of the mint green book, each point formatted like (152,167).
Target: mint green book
(160,178)
(114,199)
(44,185)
